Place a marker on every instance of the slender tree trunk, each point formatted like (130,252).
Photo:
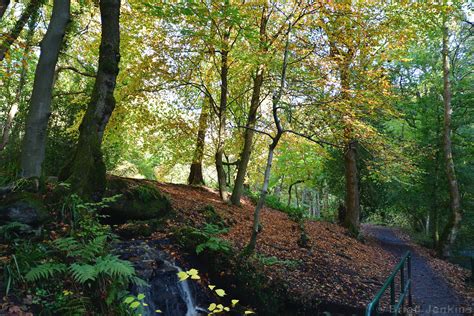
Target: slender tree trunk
(351,220)
(252,116)
(3,7)
(34,142)
(271,148)
(19,91)
(221,176)
(452,228)
(290,189)
(248,138)
(10,38)
(86,171)
(195,175)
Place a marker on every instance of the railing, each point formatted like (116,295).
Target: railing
(405,289)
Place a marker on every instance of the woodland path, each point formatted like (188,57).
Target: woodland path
(431,292)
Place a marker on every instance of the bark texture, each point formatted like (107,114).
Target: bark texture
(3,7)
(351,220)
(86,170)
(34,142)
(32,7)
(195,175)
(251,118)
(451,230)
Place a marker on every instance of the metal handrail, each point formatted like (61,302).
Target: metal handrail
(405,287)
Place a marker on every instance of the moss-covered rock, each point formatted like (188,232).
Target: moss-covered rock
(137,200)
(23,207)
(137,229)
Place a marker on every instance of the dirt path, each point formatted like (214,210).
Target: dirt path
(430,291)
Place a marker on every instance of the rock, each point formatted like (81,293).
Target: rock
(138,200)
(23,207)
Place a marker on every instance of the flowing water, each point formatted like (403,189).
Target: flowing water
(165,292)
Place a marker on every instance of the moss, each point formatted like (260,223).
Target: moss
(212,217)
(137,201)
(24,207)
(136,229)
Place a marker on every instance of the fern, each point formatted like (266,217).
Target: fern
(44,271)
(67,244)
(92,249)
(113,266)
(83,272)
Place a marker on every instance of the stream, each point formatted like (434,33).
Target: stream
(165,292)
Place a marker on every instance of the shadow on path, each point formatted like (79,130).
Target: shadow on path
(431,292)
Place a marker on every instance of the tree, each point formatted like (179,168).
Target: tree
(34,142)
(195,175)
(6,130)
(252,115)
(451,230)
(32,7)
(276,98)
(3,7)
(86,170)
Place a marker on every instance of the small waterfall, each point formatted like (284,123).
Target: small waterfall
(187,295)
(165,292)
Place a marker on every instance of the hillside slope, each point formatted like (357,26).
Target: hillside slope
(333,269)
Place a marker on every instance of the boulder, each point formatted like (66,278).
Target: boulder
(137,200)
(23,207)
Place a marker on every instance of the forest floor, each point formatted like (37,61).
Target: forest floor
(438,286)
(334,268)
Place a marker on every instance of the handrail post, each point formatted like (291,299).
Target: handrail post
(410,300)
(402,284)
(392,294)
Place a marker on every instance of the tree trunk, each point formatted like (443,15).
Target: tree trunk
(18,95)
(221,176)
(10,38)
(252,116)
(351,219)
(3,7)
(86,171)
(266,179)
(290,189)
(195,175)
(34,142)
(452,228)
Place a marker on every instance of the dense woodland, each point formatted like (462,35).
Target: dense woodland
(344,112)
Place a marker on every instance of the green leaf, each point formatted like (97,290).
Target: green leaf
(141,296)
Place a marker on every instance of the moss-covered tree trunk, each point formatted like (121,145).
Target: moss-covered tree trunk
(195,175)
(86,170)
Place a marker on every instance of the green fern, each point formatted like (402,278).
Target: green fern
(113,266)
(83,272)
(44,271)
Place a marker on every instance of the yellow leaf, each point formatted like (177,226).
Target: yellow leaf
(211,287)
(158,311)
(226,309)
(234,302)
(195,277)
(220,292)
(182,275)
(212,307)
(249,312)
(193,272)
